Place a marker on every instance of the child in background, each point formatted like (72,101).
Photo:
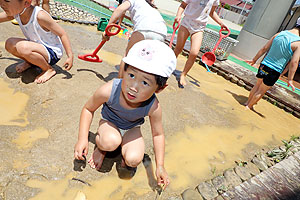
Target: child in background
(283,55)
(44,41)
(45,4)
(195,18)
(125,103)
(147,21)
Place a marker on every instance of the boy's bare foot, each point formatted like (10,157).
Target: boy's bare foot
(247,108)
(45,76)
(22,66)
(182,80)
(96,159)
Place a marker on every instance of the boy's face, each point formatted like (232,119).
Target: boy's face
(137,86)
(13,7)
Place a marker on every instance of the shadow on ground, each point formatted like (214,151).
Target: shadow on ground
(29,75)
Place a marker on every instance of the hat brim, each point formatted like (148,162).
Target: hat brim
(141,65)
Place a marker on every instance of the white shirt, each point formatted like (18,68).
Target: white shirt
(199,10)
(35,33)
(146,18)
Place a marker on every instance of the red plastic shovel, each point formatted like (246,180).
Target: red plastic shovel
(209,58)
(109,31)
(174,31)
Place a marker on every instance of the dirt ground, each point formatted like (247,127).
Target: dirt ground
(206,127)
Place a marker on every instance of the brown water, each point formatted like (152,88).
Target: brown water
(194,154)
(27,138)
(12,106)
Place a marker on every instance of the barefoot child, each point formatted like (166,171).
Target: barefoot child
(147,21)
(195,18)
(283,52)
(44,41)
(125,104)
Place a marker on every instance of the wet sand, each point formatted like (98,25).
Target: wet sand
(207,129)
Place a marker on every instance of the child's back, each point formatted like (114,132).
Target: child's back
(34,32)
(280,51)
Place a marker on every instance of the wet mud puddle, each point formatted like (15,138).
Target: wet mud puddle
(12,106)
(194,154)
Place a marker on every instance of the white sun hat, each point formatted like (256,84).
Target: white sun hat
(152,56)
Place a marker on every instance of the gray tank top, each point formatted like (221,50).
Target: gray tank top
(121,117)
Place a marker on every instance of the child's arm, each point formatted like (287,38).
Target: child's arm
(4,17)
(285,69)
(262,51)
(293,67)
(119,12)
(48,24)
(100,96)
(180,11)
(216,18)
(155,116)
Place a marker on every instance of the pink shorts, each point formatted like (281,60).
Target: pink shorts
(192,25)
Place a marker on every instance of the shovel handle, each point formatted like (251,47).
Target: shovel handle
(176,27)
(109,27)
(174,31)
(222,36)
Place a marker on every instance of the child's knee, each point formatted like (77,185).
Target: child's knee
(133,159)
(193,54)
(109,142)
(9,44)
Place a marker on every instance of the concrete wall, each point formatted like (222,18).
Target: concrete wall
(262,23)
(232,16)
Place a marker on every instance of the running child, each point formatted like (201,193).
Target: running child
(283,54)
(147,21)
(195,18)
(44,41)
(125,104)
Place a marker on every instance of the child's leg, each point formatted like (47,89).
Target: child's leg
(33,53)
(133,147)
(196,40)
(135,37)
(9,46)
(258,95)
(182,36)
(254,90)
(107,139)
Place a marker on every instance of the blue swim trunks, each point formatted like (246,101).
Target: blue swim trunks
(53,57)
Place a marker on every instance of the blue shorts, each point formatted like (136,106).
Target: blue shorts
(53,57)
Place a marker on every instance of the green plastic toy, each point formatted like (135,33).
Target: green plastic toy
(102,24)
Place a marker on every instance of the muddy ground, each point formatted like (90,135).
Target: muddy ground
(206,127)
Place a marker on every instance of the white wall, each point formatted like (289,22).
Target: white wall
(232,16)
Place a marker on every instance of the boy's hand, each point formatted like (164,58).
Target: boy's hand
(290,83)
(250,62)
(177,19)
(224,27)
(81,149)
(105,37)
(69,63)
(162,177)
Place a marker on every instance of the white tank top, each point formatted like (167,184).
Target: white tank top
(35,33)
